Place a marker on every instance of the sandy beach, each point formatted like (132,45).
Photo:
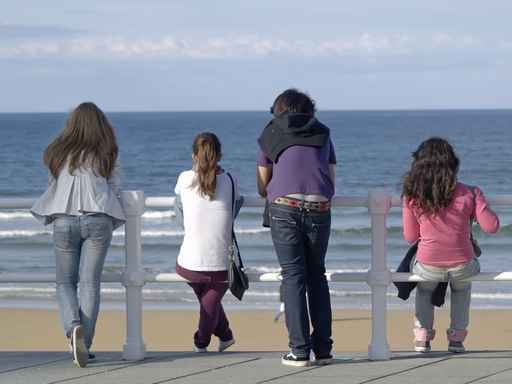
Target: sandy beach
(40,330)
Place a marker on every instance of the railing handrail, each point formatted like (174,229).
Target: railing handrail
(251,201)
(378,277)
(255,277)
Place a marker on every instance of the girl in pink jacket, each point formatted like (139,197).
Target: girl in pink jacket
(437,211)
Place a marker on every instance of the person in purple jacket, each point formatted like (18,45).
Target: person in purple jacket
(295,173)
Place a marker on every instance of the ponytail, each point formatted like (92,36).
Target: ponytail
(207,153)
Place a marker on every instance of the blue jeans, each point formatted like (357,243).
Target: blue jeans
(300,239)
(81,244)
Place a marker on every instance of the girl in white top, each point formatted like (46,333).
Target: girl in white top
(83,203)
(205,193)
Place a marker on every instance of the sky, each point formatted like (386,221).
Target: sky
(177,55)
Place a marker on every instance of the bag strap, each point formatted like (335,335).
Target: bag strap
(472,217)
(233,202)
(232,196)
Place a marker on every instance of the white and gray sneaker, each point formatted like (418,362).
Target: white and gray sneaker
(223,345)
(294,361)
(80,352)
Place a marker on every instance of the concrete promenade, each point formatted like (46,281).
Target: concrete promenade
(256,367)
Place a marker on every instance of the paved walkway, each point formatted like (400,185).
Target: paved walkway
(256,367)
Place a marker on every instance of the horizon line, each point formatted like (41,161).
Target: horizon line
(442,109)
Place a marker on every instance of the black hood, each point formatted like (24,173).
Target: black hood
(289,129)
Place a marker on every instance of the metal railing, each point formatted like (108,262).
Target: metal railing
(378,277)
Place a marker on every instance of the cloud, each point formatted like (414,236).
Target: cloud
(22,32)
(250,46)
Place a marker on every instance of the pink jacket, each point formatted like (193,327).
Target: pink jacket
(445,237)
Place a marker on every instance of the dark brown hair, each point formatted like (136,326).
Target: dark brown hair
(207,153)
(293,100)
(431,181)
(87,139)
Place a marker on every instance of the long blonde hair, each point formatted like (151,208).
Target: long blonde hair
(207,153)
(87,139)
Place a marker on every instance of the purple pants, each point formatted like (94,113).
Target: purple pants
(209,288)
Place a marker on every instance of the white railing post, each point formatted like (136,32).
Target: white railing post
(379,275)
(133,277)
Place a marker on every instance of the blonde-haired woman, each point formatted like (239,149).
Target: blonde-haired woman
(83,203)
(206,194)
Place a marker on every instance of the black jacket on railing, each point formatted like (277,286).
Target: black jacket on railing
(405,288)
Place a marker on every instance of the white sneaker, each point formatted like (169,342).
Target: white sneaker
(223,345)
(422,346)
(80,352)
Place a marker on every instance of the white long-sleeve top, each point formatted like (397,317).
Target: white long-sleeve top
(207,223)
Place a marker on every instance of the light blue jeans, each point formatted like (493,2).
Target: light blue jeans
(460,298)
(81,244)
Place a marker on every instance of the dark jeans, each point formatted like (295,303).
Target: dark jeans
(300,239)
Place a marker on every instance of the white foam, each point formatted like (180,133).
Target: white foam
(48,291)
(23,233)
(267,269)
(251,231)
(15,215)
(9,215)
(263,293)
(175,233)
(119,233)
(27,289)
(158,214)
(492,296)
(156,293)
(347,270)
(154,233)
(263,269)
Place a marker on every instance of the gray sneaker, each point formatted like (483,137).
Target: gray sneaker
(324,359)
(223,345)
(456,347)
(422,346)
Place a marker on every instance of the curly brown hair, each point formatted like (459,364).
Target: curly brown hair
(431,181)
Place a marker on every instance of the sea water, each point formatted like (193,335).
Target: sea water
(373,150)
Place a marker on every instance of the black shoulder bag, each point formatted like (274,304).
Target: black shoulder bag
(238,280)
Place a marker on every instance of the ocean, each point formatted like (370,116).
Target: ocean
(373,150)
